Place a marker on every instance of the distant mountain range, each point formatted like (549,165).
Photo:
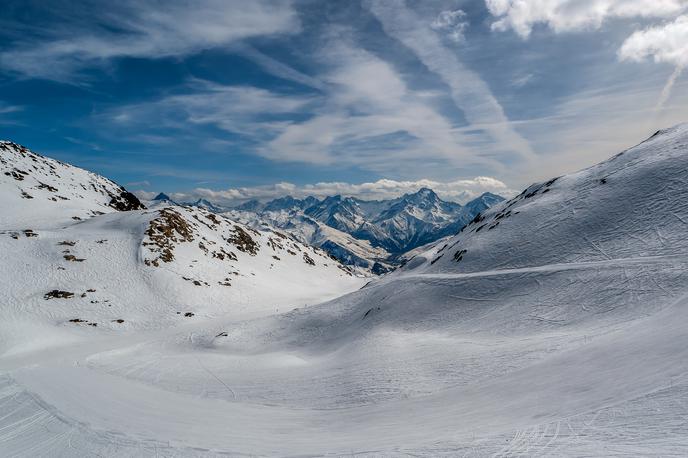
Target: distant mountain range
(370,234)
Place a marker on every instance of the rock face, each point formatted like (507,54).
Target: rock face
(126,201)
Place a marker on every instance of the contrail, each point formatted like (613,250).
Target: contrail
(666,91)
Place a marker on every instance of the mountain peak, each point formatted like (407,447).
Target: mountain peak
(425,192)
(203,203)
(422,196)
(162,196)
(483,202)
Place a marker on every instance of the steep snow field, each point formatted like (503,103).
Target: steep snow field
(553,325)
(41,192)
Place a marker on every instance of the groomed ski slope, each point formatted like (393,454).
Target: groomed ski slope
(559,331)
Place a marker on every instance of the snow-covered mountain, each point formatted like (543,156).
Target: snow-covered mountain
(369,234)
(343,246)
(37,191)
(206,205)
(552,325)
(80,250)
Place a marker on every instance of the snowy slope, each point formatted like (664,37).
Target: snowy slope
(149,269)
(628,206)
(577,347)
(140,269)
(41,192)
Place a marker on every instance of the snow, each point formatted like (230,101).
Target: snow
(371,235)
(42,192)
(560,331)
(350,250)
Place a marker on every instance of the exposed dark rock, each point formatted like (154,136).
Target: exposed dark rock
(163,232)
(307,259)
(71,257)
(126,201)
(58,294)
(458,256)
(243,241)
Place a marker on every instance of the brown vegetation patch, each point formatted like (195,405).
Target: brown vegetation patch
(224,255)
(163,232)
(243,241)
(72,258)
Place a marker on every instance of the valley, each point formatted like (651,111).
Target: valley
(488,342)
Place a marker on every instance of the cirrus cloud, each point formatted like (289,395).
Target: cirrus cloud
(144,29)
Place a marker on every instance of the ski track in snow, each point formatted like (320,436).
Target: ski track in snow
(47,397)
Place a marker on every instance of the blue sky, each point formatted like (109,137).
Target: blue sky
(231,100)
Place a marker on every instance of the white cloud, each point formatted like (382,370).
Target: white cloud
(452,23)
(664,43)
(365,116)
(667,43)
(458,191)
(367,105)
(568,15)
(470,93)
(243,110)
(147,29)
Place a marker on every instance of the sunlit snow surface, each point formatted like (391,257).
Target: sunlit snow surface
(559,331)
